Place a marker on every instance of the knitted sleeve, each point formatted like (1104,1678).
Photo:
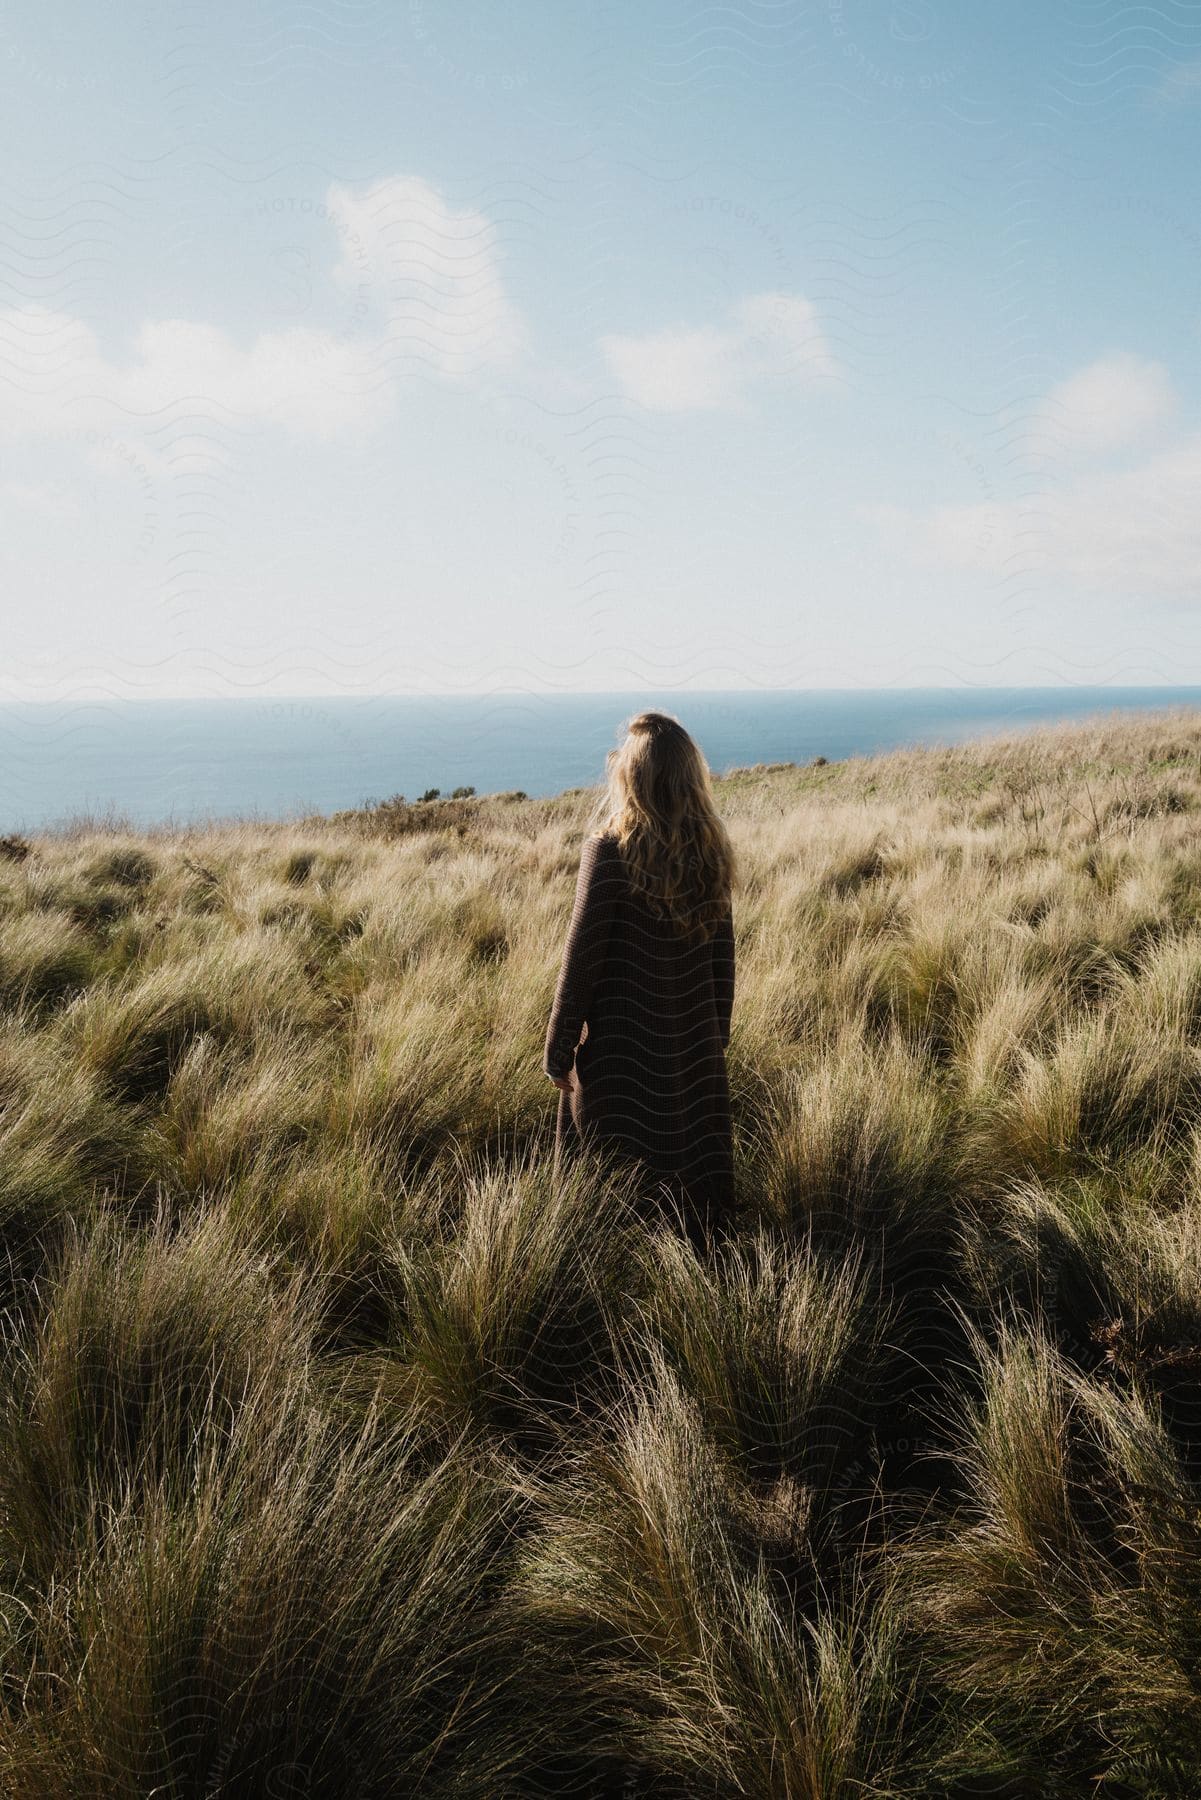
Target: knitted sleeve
(596,891)
(723,974)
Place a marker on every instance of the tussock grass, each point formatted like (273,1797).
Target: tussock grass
(507,1288)
(149,1348)
(347,1445)
(44,961)
(313,1611)
(782,1355)
(682,1651)
(63,1143)
(1060,1609)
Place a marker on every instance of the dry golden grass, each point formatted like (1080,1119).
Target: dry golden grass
(344,1448)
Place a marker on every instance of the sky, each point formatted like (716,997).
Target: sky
(450,347)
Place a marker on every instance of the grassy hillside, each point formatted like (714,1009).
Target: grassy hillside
(343,1450)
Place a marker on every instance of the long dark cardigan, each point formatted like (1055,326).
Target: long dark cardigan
(653,1013)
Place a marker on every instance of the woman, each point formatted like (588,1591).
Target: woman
(638,1031)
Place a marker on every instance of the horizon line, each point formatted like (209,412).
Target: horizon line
(1064,687)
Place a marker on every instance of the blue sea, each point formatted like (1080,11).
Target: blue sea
(187,761)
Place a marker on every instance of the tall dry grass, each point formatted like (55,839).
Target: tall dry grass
(347,1447)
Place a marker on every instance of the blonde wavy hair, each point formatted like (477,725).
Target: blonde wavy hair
(658,803)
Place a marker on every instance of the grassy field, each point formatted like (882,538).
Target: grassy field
(346,1451)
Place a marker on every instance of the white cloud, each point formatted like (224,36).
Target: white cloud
(58,382)
(773,337)
(1132,531)
(433,272)
(1118,400)
(1181,84)
(782,335)
(676,371)
(429,274)
(299,377)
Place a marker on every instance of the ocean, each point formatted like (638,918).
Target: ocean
(187,761)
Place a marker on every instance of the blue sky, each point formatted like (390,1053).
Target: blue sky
(363,348)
